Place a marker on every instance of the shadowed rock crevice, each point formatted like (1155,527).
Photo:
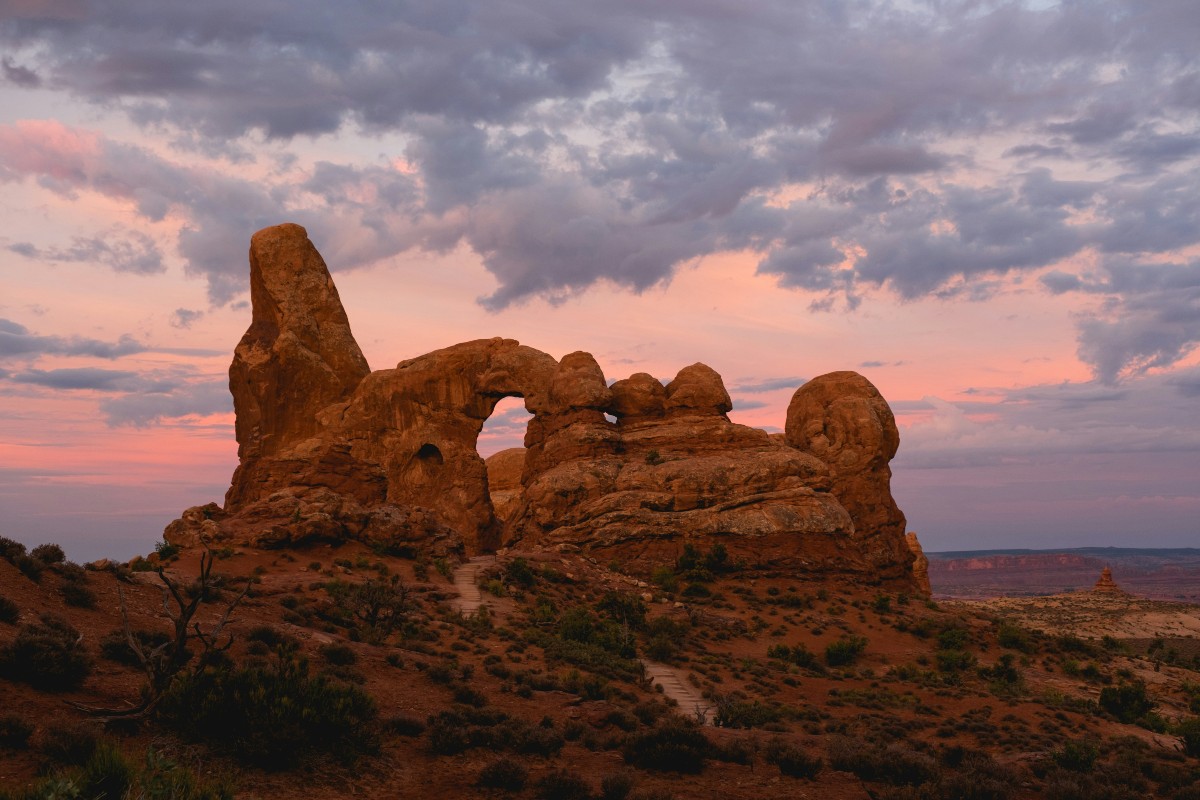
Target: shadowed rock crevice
(330,450)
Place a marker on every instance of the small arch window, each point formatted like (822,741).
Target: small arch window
(430,454)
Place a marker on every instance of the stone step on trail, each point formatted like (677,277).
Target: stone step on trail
(466,577)
(675,686)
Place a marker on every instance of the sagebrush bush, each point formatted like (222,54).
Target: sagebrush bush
(10,549)
(48,554)
(895,763)
(8,611)
(563,785)
(674,745)
(47,655)
(792,760)
(845,650)
(504,773)
(70,744)
(271,716)
(14,732)
(616,786)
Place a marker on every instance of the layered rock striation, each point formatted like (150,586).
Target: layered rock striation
(328,449)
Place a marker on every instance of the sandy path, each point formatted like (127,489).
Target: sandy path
(676,687)
(466,578)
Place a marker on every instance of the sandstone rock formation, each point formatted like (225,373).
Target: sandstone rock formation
(330,450)
(1106,584)
(920,565)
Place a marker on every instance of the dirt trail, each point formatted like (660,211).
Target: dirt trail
(676,687)
(466,577)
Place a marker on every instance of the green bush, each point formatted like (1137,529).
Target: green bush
(953,639)
(616,786)
(339,654)
(14,732)
(30,567)
(896,763)
(47,655)
(1014,637)
(674,745)
(1127,701)
(71,744)
(799,654)
(623,608)
(10,549)
(793,761)
(48,554)
(106,775)
(78,594)
(504,773)
(1077,755)
(520,573)
(115,646)
(271,716)
(563,785)
(845,650)
(1189,731)
(8,611)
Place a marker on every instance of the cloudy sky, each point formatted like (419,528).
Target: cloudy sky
(990,209)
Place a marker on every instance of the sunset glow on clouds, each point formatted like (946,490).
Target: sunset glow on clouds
(989,209)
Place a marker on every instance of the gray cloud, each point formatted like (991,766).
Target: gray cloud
(148,407)
(769,385)
(17,341)
(1145,414)
(571,143)
(105,380)
(184,317)
(18,75)
(125,251)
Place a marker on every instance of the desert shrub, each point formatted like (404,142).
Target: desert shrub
(520,573)
(271,716)
(504,773)
(954,638)
(377,606)
(115,646)
(404,725)
(166,551)
(735,711)
(845,650)
(78,594)
(1004,676)
(799,654)
(1189,731)
(14,732)
(563,785)
(895,763)
(954,660)
(10,549)
(1127,701)
(1077,755)
(48,554)
(792,760)
(665,579)
(623,608)
(340,654)
(30,567)
(8,611)
(47,655)
(269,635)
(106,774)
(70,744)
(674,745)
(616,786)
(978,777)
(1014,637)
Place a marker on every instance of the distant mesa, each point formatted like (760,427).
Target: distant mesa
(329,450)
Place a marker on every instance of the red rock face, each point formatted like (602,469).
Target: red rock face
(330,450)
(920,565)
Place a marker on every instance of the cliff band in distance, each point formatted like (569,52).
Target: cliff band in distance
(328,449)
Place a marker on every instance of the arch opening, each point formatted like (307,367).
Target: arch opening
(501,445)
